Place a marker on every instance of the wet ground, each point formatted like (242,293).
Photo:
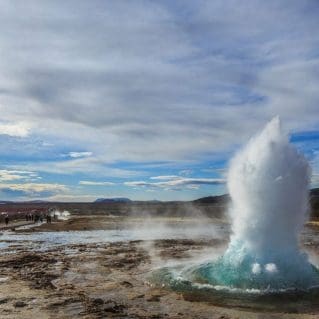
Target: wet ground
(101,269)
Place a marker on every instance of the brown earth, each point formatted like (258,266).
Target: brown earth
(108,280)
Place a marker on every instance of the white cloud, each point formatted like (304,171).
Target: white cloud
(165,177)
(94,183)
(186,172)
(160,88)
(68,197)
(178,183)
(138,183)
(292,91)
(32,189)
(80,154)
(183,88)
(73,198)
(14,129)
(91,166)
(11,175)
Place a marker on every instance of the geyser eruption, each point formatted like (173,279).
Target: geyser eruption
(268,184)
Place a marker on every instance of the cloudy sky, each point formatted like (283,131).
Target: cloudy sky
(149,99)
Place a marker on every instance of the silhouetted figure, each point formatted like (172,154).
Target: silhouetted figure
(49,219)
(32,217)
(6,220)
(26,217)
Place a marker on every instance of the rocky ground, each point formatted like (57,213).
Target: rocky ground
(109,280)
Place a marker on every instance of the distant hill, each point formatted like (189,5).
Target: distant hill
(36,201)
(220,199)
(4,202)
(113,200)
(314,198)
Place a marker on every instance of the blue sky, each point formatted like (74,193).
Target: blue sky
(149,99)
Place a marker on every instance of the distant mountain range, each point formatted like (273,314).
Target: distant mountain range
(213,206)
(204,200)
(36,201)
(113,200)
(218,199)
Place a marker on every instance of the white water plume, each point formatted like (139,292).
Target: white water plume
(268,183)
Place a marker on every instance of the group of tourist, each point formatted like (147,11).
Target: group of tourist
(32,217)
(38,218)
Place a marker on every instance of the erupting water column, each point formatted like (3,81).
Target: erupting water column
(268,183)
